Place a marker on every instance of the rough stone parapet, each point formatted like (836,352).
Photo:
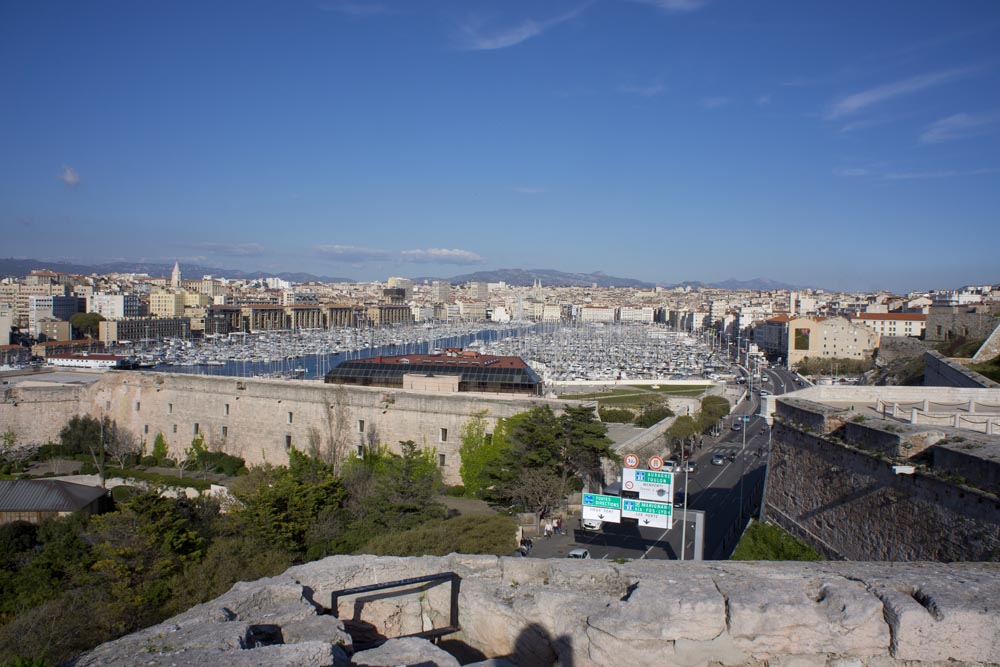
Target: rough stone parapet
(595,613)
(940,371)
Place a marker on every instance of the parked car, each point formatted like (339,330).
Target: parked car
(690,466)
(718,460)
(578,553)
(737,426)
(670,466)
(592,524)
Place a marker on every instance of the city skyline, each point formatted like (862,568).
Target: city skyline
(846,147)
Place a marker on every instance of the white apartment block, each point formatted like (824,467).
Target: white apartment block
(472,310)
(552,313)
(643,314)
(114,306)
(50,307)
(893,324)
(422,312)
(835,337)
(597,314)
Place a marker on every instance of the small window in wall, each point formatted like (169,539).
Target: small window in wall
(196,428)
(107,405)
(489,438)
(441,460)
(145,429)
(288,442)
(137,406)
(170,408)
(225,409)
(175,428)
(361,450)
(289,417)
(444,435)
(361,426)
(225,431)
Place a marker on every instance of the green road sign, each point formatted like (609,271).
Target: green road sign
(643,507)
(598,500)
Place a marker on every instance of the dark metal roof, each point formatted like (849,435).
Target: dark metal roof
(46,495)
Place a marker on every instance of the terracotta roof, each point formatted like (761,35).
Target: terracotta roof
(904,317)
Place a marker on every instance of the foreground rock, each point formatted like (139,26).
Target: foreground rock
(589,613)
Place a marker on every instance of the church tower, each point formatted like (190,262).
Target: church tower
(175,277)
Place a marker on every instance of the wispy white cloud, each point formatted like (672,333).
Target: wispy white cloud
(947,173)
(476,37)
(69,176)
(714,102)
(651,90)
(762,100)
(441,256)
(349,253)
(358,8)
(879,94)
(958,126)
(230,249)
(675,6)
(528,190)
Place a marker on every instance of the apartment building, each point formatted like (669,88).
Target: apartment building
(893,324)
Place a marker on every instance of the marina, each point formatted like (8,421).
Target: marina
(558,352)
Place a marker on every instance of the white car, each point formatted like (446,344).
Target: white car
(578,553)
(592,524)
(670,466)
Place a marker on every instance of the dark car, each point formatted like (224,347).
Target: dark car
(737,426)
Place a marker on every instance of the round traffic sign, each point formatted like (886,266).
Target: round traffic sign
(631,461)
(655,463)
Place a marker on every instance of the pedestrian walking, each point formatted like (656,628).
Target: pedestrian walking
(548,528)
(559,525)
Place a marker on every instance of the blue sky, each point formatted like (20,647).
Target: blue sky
(849,145)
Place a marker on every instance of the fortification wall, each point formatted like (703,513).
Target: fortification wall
(940,371)
(261,419)
(37,411)
(536,612)
(849,503)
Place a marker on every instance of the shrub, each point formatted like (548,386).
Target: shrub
(149,461)
(457,491)
(653,415)
(616,415)
(768,542)
(464,535)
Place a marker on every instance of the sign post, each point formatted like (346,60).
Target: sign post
(650,484)
(651,514)
(602,508)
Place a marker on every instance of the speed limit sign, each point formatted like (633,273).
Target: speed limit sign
(655,463)
(631,461)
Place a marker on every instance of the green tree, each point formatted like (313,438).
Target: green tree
(683,428)
(480,452)
(159,449)
(86,323)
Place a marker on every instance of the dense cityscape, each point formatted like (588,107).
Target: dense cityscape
(465,333)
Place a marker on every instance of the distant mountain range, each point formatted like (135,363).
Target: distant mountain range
(519,277)
(22,267)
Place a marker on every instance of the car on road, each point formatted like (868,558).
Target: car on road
(737,426)
(592,524)
(670,466)
(718,460)
(578,553)
(679,499)
(690,466)
(765,392)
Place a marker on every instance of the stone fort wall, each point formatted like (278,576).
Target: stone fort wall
(260,419)
(541,612)
(849,502)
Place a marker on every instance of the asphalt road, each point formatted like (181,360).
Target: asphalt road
(728,494)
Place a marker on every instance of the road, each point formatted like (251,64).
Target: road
(728,494)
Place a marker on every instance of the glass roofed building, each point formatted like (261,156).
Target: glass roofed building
(453,370)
